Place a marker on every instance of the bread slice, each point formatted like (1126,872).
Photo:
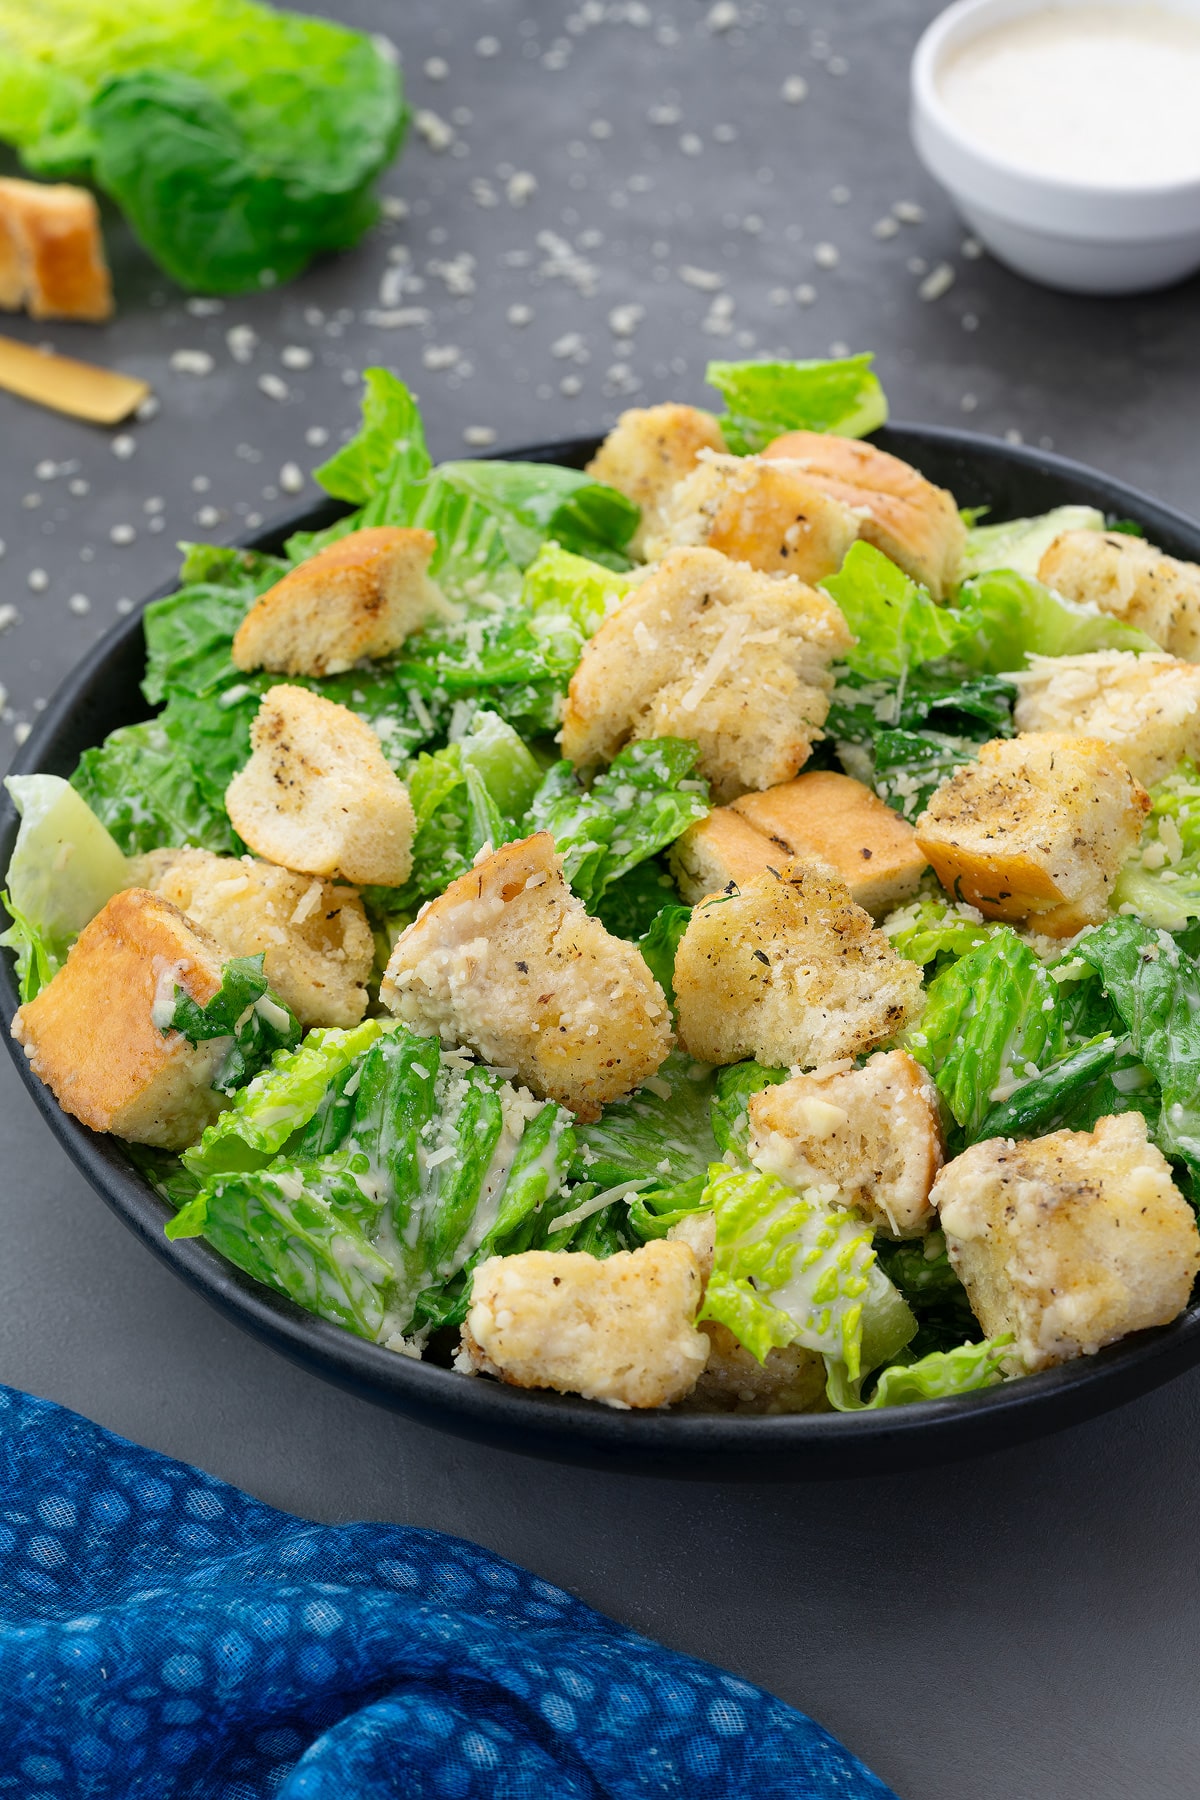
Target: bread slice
(359,597)
(94,1035)
(51,252)
(317,794)
(840,821)
(900,512)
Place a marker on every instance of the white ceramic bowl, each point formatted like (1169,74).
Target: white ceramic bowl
(1073,235)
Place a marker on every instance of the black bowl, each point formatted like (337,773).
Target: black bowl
(104,692)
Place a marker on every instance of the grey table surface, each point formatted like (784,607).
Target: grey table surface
(596,202)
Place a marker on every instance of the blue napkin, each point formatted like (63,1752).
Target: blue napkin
(162,1634)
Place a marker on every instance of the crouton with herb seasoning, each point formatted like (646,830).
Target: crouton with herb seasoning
(710,650)
(94,1034)
(507,962)
(1131,579)
(1069,1241)
(770,514)
(1036,829)
(870,1138)
(1146,707)
(619,1330)
(789,971)
(913,522)
(359,597)
(317,795)
(314,938)
(648,450)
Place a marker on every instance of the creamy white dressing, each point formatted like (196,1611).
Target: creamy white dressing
(1100,95)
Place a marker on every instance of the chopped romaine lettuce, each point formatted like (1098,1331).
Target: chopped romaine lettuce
(641,803)
(1087,1083)
(920,1269)
(1161,880)
(937,931)
(391,440)
(788,1270)
(660,946)
(64,867)
(765,399)
(1012,617)
(244,1010)
(662,1133)
(630,906)
(736,1086)
(939,1375)
(1020,544)
(897,623)
(239,141)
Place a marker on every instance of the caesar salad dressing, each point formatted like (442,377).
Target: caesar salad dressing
(170,977)
(1100,95)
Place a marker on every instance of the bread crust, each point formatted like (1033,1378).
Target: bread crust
(51,252)
(649,450)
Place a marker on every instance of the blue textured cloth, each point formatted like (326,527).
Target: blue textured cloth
(162,1634)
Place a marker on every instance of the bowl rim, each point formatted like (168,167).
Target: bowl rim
(1018,191)
(705,1445)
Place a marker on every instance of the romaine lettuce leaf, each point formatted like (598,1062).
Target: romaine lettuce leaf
(920,1269)
(144,788)
(660,945)
(64,867)
(641,803)
(737,1083)
(240,141)
(1161,880)
(789,1270)
(896,622)
(1020,544)
(939,1375)
(937,930)
(1011,616)
(1087,1083)
(244,1010)
(390,439)
(663,1132)
(765,399)
(630,906)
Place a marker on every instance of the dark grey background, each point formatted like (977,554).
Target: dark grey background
(1023,1625)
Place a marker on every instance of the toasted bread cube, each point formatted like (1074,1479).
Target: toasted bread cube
(1131,579)
(839,820)
(620,1330)
(316,945)
(870,1138)
(1146,707)
(1069,1241)
(904,515)
(719,854)
(710,650)
(317,794)
(360,597)
(648,450)
(788,1380)
(93,1033)
(508,962)
(790,971)
(1036,829)
(51,252)
(770,514)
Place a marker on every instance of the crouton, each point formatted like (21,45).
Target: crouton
(788,1380)
(770,514)
(647,451)
(707,649)
(790,971)
(1036,829)
(1146,707)
(316,944)
(359,597)
(621,1330)
(93,1033)
(870,1138)
(842,822)
(1069,1241)
(1131,579)
(901,513)
(508,962)
(317,794)
(51,252)
(698,1230)
(717,853)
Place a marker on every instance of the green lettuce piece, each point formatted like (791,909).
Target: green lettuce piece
(64,867)
(1087,1083)
(897,623)
(939,1375)
(144,788)
(663,1131)
(788,1270)
(765,399)
(280,1101)
(239,141)
(991,1020)
(1161,880)
(1011,617)
(390,439)
(660,946)
(641,803)
(243,1009)
(630,906)
(736,1085)
(919,1268)
(535,503)
(1020,544)
(572,593)
(937,931)
(1155,987)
